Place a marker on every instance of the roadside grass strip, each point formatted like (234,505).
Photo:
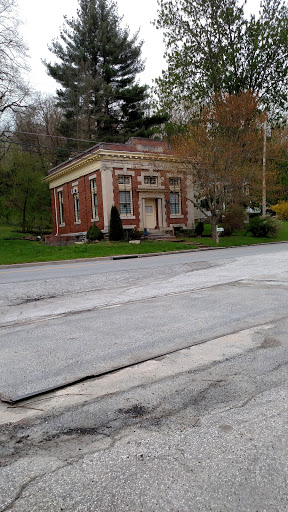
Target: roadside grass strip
(15,248)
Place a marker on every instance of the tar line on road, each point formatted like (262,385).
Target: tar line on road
(21,398)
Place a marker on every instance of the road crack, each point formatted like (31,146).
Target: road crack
(26,485)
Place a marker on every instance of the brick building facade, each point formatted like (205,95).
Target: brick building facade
(137,177)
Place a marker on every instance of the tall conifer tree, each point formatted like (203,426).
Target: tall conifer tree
(97,66)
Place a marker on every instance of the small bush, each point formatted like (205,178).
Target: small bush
(263,226)
(281,210)
(233,220)
(189,233)
(94,233)
(177,231)
(135,234)
(116,231)
(199,229)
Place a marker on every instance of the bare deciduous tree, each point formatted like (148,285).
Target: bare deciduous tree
(37,130)
(220,153)
(13,54)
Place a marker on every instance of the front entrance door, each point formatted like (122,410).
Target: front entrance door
(150,213)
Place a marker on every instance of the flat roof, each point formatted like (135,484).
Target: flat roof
(134,144)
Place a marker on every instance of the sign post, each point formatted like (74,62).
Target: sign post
(218,230)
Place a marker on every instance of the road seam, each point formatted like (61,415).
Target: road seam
(17,399)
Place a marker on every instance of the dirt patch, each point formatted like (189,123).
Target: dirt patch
(135,411)
(269,343)
(225,428)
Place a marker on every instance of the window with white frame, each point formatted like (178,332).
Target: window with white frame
(151,180)
(61,207)
(94,200)
(125,180)
(175,196)
(125,195)
(76,204)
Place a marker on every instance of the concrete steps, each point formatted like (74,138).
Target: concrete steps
(159,235)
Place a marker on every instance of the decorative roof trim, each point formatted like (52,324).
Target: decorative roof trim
(106,155)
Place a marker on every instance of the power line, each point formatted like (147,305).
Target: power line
(38,146)
(55,136)
(34,151)
(4,148)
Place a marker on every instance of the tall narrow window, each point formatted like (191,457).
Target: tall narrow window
(175,196)
(94,201)
(125,195)
(61,207)
(76,205)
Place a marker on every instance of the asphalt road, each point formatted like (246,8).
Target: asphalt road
(201,429)
(204,429)
(58,270)
(57,330)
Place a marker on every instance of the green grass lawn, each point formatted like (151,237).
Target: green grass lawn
(15,250)
(240,238)
(25,251)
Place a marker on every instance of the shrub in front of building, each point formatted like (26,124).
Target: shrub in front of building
(263,226)
(94,233)
(281,210)
(116,231)
(234,219)
(135,234)
(199,229)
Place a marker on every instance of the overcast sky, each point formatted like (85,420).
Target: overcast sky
(43,19)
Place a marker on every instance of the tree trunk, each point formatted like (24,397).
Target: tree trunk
(24,212)
(264,170)
(214,222)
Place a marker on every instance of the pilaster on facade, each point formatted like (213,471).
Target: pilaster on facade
(107,192)
(145,200)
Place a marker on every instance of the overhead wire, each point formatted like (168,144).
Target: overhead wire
(54,136)
(8,141)
(34,151)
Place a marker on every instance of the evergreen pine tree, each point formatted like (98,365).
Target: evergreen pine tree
(116,231)
(97,66)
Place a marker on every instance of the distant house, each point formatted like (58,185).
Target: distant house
(137,177)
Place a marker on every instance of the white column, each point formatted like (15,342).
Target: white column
(160,216)
(141,212)
(164,218)
(107,194)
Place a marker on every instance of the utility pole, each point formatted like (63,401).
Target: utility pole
(264,169)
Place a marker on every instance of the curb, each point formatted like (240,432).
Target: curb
(105,258)
(130,256)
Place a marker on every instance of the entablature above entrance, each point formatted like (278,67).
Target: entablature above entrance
(150,188)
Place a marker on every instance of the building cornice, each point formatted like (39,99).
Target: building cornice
(106,156)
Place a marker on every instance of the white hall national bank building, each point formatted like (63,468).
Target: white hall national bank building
(137,177)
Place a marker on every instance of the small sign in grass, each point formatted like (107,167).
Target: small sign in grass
(13,249)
